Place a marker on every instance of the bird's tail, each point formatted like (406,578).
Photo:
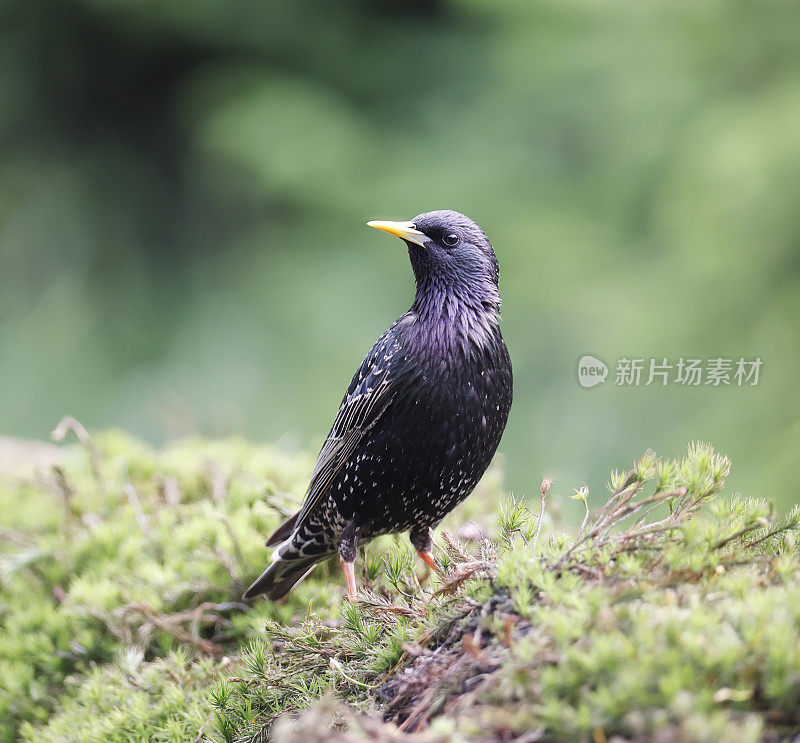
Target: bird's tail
(282,575)
(284,531)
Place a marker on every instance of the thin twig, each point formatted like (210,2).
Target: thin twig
(237,548)
(544,489)
(771,533)
(138,511)
(15,537)
(67,424)
(621,513)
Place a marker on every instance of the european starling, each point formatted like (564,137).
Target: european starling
(422,416)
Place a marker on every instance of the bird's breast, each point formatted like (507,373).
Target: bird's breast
(460,399)
(430,447)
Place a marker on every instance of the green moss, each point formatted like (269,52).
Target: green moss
(679,626)
(148,554)
(672,613)
(133,700)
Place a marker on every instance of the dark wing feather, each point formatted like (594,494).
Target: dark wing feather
(370,393)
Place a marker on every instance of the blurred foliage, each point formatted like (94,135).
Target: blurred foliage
(183,187)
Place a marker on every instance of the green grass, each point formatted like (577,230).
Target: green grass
(672,613)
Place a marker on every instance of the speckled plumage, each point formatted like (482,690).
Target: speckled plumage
(421,419)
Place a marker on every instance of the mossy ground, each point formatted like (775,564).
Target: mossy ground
(673,614)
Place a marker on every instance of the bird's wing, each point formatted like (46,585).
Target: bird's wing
(370,393)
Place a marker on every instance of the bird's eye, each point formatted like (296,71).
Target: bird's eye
(450,239)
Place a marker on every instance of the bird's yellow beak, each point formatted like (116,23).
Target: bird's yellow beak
(404,230)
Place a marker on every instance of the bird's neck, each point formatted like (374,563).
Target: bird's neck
(456,321)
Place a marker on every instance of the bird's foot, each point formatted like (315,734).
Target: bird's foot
(348,568)
(427,557)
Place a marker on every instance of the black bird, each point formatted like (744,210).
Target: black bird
(421,418)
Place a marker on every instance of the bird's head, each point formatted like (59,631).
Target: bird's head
(451,256)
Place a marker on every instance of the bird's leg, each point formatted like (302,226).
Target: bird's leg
(420,538)
(427,558)
(350,576)
(347,557)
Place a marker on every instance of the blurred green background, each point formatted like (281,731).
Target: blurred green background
(184,186)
